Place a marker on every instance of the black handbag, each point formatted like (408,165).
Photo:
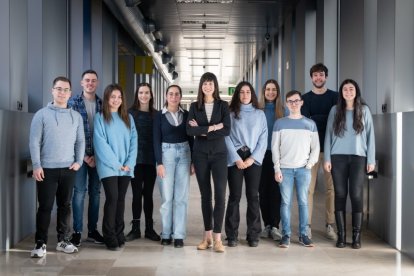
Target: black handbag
(244,152)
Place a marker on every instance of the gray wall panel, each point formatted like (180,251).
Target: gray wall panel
(17,192)
(5,54)
(383,190)
(404,56)
(407,227)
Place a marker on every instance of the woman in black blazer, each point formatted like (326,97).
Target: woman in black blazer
(209,122)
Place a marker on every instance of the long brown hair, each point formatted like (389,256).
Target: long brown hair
(279,109)
(122,110)
(339,124)
(137,104)
(200,96)
(235,100)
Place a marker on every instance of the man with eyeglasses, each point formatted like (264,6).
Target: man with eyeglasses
(295,149)
(57,144)
(316,105)
(87,104)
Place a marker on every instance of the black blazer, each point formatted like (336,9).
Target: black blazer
(213,141)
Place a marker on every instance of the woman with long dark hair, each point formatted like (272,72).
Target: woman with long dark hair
(270,101)
(209,122)
(142,184)
(246,146)
(172,147)
(115,140)
(349,155)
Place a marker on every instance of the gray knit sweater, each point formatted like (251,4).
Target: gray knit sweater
(57,138)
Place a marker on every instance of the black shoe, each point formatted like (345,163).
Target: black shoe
(231,242)
(135,232)
(76,239)
(178,243)
(152,235)
(113,248)
(95,237)
(121,244)
(253,243)
(166,241)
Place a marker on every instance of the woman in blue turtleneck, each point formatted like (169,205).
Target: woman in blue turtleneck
(246,147)
(270,100)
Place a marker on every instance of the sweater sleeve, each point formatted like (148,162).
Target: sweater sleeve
(369,127)
(197,130)
(80,141)
(225,119)
(102,149)
(314,149)
(133,145)
(276,140)
(36,136)
(328,136)
(260,149)
(157,138)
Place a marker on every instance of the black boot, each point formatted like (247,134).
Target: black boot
(135,232)
(356,230)
(341,226)
(149,231)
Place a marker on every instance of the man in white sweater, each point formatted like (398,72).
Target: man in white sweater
(295,149)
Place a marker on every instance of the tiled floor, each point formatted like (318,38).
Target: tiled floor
(144,257)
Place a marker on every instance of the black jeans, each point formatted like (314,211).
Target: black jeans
(348,173)
(216,165)
(57,183)
(113,220)
(269,193)
(251,177)
(143,186)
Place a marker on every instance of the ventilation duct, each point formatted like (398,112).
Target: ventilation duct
(149,26)
(174,75)
(133,21)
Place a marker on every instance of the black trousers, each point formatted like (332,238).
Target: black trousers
(207,165)
(57,183)
(143,187)
(348,173)
(113,220)
(251,177)
(269,193)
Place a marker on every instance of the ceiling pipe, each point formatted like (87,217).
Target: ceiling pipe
(133,21)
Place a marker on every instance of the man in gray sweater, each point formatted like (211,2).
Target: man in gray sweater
(57,146)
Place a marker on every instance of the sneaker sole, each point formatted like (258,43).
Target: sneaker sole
(67,252)
(283,246)
(92,240)
(36,255)
(307,245)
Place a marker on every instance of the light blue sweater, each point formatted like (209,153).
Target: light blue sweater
(249,130)
(115,146)
(57,139)
(362,144)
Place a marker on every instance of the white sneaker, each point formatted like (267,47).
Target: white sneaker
(309,232)
(266,232)
(39,251)
(330,233)
(276,234)
(66,247)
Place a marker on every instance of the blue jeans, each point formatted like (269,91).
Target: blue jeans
(94,191)
(176,159)
(302,177)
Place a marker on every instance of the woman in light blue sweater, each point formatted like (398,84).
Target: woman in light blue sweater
(115,140)
(349,154)
(246,146)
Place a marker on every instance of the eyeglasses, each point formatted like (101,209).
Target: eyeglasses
(293,102)
(60,89)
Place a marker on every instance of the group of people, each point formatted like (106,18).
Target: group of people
(77,143)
